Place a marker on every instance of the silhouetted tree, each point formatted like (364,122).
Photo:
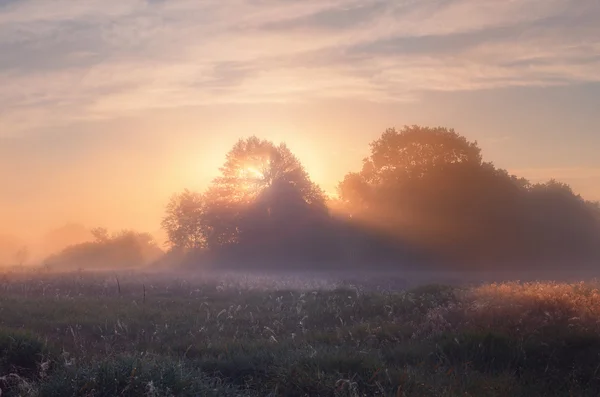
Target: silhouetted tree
(400,157)
(406,167)
(415,151)
(432,187)
(261,206)
(561,223)
(280,224)
(185,221)
(421,191)
(253,167)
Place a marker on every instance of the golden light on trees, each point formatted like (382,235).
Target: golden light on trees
(253,165)
(251,172)
(256,176)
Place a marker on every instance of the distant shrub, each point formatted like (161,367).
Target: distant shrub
(127,249)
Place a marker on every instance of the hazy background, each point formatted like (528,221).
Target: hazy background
(107,109)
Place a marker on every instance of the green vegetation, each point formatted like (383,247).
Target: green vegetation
(86,335)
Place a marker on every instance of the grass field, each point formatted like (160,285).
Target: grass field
(134,335)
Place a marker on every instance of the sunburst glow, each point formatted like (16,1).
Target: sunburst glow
(251,172)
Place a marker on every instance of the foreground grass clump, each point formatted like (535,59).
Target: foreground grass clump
(246,336)
(133,376)
(20,352)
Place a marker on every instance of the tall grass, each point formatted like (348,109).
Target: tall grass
(75,334)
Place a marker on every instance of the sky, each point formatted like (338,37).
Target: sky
(107,108)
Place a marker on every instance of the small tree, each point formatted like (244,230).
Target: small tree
(184,221)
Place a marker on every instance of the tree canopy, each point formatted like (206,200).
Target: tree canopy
(253,165)
(262,195)
(432,187)
(413,152)
(421,193)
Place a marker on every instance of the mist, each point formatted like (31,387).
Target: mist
(426,199)
(334,198)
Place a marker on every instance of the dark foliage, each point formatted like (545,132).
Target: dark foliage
(20,352)
(423,196)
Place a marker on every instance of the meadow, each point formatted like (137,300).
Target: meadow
(94,334)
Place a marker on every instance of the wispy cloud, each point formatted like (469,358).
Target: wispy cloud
(65,60)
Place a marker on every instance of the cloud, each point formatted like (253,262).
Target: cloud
(348,17)
(64,61)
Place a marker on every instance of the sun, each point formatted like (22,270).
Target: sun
(250,173)
(250,179)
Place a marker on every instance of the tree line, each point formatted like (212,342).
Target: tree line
(423,199)
(423,196)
